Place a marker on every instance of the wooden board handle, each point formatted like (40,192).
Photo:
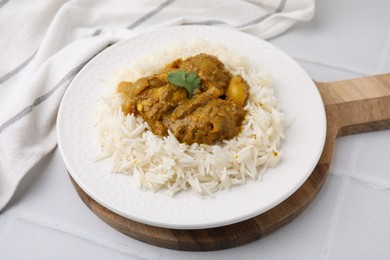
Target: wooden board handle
(355,106)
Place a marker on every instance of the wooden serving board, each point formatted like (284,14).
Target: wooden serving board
(352,106)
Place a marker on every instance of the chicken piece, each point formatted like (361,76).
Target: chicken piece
(212,71)
(217,120)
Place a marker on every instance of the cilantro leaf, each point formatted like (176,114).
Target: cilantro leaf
(189,80)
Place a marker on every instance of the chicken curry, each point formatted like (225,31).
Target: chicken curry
(197,99)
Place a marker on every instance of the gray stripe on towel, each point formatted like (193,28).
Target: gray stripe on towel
(97,32)
(42,98)
(18,68)
(262,18)
(255,21)
(208,22)
(150,14)
(2,3)
(28,60)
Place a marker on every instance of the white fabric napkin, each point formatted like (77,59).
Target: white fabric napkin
(45,43)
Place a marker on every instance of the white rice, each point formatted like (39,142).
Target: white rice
(158,163)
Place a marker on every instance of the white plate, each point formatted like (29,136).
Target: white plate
(295,91)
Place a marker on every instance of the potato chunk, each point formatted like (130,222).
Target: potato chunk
(237,90)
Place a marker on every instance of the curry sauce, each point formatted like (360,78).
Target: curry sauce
(213,112)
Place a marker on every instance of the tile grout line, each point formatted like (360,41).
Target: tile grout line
(377,184)
(68,231)
(346,180)
(335,216)
(355,157)
(333,66)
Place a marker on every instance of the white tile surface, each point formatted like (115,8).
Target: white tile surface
(361,229)
(26,240)
(326,73)
(348,34)
(349,219)
(373,165)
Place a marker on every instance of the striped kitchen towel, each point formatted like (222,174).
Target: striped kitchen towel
(44,44)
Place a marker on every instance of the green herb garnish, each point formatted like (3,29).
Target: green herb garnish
(188,80)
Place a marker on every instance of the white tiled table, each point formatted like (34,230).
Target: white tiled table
(350,218)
